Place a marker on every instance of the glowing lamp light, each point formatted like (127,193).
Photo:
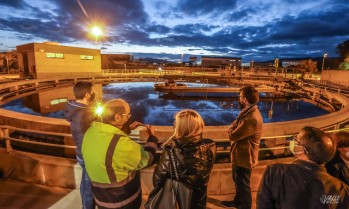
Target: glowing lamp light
(96,31)
(99,110)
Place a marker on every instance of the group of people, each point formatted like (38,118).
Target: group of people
(111,161)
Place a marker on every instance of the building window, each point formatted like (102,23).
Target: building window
(57,101)
(86,57)
(55,55)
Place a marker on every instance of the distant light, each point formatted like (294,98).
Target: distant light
(325,55)
(160,68)
(99,110)
(96,31)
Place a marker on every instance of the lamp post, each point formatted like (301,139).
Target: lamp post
(276,65)
(8,69)
(323,62)
(96,31)
(182,60)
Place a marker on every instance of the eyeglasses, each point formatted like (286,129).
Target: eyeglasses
(127,115)
(293,138)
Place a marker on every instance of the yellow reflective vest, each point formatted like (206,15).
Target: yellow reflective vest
(126,155)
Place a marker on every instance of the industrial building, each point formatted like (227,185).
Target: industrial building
(49,59)
(221,62)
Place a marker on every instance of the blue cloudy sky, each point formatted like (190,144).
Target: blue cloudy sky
(251,29)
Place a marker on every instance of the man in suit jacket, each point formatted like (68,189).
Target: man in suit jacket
(245,134)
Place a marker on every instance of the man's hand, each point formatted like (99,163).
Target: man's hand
(135,125)
(233,126)
(150,130)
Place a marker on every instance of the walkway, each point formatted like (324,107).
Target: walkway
(48,170)
(16,194)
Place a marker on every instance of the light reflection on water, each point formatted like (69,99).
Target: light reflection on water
(147,107)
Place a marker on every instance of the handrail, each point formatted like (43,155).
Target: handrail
(73,147)
(41,143)
(39,84)
(35,131)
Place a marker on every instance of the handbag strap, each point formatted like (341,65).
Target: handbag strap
(172,159)
(171,169)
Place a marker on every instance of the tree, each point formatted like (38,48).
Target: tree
(307,67)
(9,60)
(343,50)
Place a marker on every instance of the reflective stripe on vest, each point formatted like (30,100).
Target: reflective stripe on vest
(109,158)
(121,203)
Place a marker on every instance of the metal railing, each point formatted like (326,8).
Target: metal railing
(34,85)
(5,135)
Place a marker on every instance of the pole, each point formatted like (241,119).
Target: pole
(8,69)
(323,62)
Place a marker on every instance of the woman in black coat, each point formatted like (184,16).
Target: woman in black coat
(194,157)
(339,165)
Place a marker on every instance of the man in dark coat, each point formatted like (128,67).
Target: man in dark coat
(80,116)
(245,134)
(339,165)
(305,182)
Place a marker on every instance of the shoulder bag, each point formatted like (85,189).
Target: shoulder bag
(173,194)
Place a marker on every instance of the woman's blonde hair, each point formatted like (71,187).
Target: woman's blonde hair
(188,123)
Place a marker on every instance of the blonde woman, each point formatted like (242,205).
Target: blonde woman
(193,157)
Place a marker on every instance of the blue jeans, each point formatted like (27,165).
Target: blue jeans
(86,188)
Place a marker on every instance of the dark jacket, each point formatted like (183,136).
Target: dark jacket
(80,117)
(300,185)
(194,161)
(245,134)
(337,168)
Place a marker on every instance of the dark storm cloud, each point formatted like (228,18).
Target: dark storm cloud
(13,3)
(193,28)
(130,34)
(228,27)
(160,29)
(29,28)
(111,12)
(42,25)
(69,21)
(200,7)
(240,15)
(123,16)
(307,27)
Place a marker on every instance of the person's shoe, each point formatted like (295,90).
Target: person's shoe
(230,204)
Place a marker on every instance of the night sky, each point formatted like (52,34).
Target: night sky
(251,29)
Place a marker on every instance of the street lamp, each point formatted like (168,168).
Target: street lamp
(182,60)
(8,69)
(323,62)
(96,31)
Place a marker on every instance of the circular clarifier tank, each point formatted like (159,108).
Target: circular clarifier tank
(151,107)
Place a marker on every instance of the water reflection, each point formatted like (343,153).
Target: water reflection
(150,107)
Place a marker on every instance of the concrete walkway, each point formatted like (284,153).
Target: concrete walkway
(32,182)
(72,200)
(15,194)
